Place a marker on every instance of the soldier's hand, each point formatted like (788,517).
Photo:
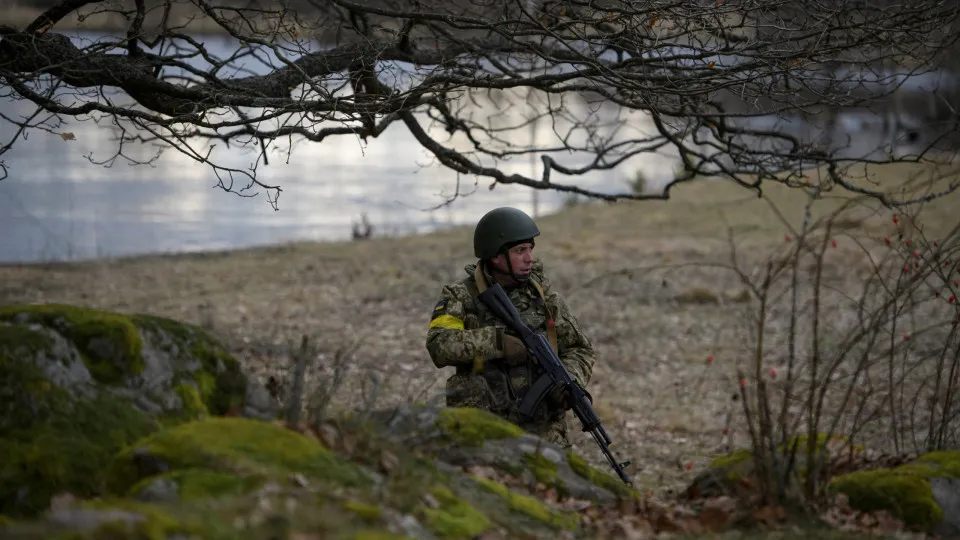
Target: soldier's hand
(514,351)
(560,397)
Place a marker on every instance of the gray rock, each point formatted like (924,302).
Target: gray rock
(159,490)
(60,362)
(169,353)
(258,404)
(411,425)
(946,491)
(83,519)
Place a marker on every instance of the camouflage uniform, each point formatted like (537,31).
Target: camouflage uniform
(463,334)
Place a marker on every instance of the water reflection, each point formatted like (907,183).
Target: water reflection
(58,205)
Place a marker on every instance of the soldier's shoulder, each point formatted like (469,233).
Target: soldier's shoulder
(461,288)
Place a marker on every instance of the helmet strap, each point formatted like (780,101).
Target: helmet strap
(504,250)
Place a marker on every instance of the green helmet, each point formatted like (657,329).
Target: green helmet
(499,227)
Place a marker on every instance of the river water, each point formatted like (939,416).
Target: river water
(58,205)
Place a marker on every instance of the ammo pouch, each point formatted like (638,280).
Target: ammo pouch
(505,388)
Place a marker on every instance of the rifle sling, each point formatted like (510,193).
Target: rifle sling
(551,323)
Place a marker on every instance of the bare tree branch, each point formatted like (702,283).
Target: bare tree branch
(721,85)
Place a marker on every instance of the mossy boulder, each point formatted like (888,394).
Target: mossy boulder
(77,385)
(924,493)
(727,473)
(243,478)
(468,437)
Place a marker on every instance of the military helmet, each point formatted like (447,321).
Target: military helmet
(499,227)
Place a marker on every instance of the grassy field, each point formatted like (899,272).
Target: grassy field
(641,277)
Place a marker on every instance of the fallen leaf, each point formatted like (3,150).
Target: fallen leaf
(300,480)
(68,136)
(770,515)
(388,461)
(718,513)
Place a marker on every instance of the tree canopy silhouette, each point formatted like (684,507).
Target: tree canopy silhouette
(721,84)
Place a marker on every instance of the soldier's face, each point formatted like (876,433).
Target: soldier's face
(521,260)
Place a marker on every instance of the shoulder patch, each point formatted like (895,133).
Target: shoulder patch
(439,309)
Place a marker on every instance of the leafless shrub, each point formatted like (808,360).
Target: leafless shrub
(853,333)
(331,381)
(299,363)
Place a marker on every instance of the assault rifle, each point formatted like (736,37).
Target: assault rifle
(553,378)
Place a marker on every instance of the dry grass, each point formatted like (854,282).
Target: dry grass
(616,264)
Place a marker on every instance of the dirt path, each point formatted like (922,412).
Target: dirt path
(653,328)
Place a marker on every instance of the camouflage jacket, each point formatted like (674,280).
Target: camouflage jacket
(463,334)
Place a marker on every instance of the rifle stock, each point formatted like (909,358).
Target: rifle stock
(554,376)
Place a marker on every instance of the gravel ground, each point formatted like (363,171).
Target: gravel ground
(641,277)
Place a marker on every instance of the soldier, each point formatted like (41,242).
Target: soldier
(493,367)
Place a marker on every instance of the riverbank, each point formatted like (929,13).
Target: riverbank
(641,277)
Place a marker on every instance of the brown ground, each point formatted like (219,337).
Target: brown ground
(653,323)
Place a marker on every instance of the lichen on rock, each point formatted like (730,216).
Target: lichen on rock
(466,437)
(453,517)
(79,384)
(907,491)
(475,426)
(530,506)
(208,453)
(142,357)
(109,343)
(726,472)
(52,442)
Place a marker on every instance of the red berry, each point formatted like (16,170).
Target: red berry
(787,237)
(906,337)
(689,465)
(710,359)
(886,240)
(833,243)
(951,299)
(895,219)
(907,243)
(956,283)
(936,293)
(916,254)
(906,268)
(743,383)
(773,373)
(726,431)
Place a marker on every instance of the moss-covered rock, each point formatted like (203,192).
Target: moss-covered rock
(225,455)
(466,437)
(908,491)
(197,359)
(109,343)
(453,517)
(473,427)
(50,441)
(241,478)
(77,385)
(596,477)
(532,507)
(149,359)
(725,473)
